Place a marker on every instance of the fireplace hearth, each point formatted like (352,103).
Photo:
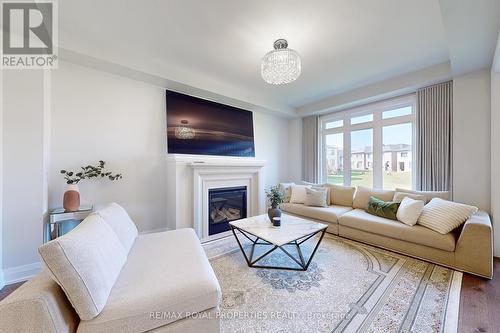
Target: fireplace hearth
(225,205)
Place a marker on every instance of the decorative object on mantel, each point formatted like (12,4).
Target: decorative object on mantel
(275,198)
(71,198)
(281,65)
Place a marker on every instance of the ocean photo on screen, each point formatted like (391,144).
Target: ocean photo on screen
(200,127)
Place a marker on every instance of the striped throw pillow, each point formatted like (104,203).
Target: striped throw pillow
(443,216)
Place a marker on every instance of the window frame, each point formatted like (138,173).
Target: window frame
(377,125)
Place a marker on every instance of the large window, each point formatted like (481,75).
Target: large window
(370,146)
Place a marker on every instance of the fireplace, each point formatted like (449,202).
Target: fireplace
(225,205)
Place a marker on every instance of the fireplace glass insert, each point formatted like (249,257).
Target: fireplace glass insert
(225,205)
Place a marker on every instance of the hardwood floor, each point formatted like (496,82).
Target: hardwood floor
(9,289)
(479,302)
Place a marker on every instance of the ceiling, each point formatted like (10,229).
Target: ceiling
(218,45)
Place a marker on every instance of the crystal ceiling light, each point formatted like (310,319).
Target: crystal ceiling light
(184,132)
(281,65)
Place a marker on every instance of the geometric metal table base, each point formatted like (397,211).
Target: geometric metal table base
(251,262)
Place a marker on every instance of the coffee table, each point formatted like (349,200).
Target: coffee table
(294,231)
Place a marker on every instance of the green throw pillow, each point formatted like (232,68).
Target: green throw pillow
(382,208)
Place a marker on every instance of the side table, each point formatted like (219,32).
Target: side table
(61,221)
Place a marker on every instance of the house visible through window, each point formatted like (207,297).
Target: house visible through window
(369,146)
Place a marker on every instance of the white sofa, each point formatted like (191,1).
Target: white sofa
(165,285)
(468,248)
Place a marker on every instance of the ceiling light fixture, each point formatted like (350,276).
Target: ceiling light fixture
(281,65)
(184,132)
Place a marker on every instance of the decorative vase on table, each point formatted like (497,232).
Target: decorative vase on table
(273,212)
(71,198)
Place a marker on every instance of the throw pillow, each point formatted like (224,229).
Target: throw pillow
(299,193)
(85,263)
(399,196)
(409,211)
(341,195)
(316,197)
(286,189)
(429,195)
(443,216)
(363,194)
(382,208)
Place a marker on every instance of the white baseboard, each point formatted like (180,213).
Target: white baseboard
(20,273)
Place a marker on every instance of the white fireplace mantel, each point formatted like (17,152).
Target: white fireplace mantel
(191,177)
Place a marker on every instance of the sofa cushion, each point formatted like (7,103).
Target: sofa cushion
(299,193)
(121,223)
(316,197)
(361,220)
(341,195)
(166,273)
(286,190)
(409,211)
(327,214)
(364,193)
(86,263)
(399,196)
(429,195)
(443,216)
(387,209)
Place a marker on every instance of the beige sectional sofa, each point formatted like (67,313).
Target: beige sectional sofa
(166,285)
(468,248)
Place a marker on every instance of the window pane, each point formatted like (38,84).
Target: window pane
(335,158)
(397,159)
(334,124)
(397,112)
(361,119)
(362,158)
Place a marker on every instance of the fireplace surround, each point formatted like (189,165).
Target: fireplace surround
(190,180)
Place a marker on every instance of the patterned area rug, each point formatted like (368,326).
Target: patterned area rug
(349,287)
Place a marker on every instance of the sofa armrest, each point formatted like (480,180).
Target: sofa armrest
(39,305)
(474,249)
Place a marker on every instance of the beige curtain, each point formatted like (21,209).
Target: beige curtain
(310,149)
(434,160)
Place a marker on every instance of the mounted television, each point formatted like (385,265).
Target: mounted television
(200,127)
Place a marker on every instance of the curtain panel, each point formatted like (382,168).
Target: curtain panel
(434,137)
(310,149)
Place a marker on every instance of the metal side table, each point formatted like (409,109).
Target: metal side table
(61,221)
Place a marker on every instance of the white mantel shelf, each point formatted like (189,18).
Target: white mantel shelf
(190,177)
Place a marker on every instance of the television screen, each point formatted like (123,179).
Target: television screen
(200,127)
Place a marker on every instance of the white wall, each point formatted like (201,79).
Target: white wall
(495,156)
(96,115)
(471,139)
(23,173)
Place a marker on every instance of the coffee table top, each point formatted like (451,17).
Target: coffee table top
(292,228)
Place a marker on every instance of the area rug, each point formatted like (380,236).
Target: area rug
(349,287)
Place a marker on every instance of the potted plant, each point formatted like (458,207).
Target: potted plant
(71,198)
(275,198)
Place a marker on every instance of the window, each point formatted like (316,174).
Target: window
(334,158)
(334,124)
(397,147)
(361,119)
(361,157)
(370,146)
